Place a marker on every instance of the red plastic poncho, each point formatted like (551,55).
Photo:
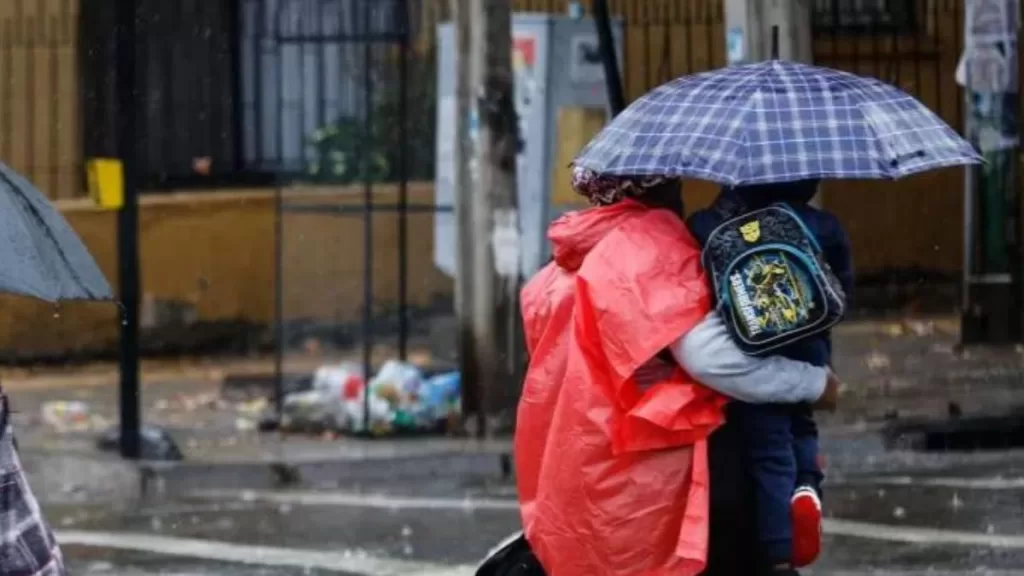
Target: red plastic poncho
(612,480)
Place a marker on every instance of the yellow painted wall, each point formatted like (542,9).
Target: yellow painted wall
(216,251)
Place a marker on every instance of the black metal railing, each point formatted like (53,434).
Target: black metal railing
(866,16)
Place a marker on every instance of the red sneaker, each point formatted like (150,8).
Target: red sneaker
(805,510)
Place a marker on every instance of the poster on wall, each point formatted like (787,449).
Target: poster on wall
(585,63)
(736,51)
(988,21)
(524,66)
(444,184)
(988,71)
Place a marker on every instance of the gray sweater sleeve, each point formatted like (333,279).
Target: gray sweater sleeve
(708,353)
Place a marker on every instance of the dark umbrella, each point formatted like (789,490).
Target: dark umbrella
(40,255)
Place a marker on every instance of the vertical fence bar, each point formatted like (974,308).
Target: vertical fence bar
(321,66)
(128,227)
(307,28)
(7,117)
(259,31)
(279,20)
(237,109)
(52,168)
(279,335)
(165,144)
(403,189)
(29,49)
(367,211)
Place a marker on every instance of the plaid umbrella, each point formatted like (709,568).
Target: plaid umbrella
(775,121)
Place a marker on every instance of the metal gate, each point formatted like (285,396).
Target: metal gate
(341,106)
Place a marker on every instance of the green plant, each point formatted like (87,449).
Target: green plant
(338,149)
(342,154)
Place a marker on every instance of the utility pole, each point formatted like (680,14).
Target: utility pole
(128,228)
(762,29)
(496,237)
(767,29)
(463,159)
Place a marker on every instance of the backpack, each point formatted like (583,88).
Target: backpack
(771,279)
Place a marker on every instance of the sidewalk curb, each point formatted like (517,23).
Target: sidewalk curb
(163,479)
(68,477)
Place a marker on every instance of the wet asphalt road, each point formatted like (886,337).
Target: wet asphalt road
(436,525)
(974,501)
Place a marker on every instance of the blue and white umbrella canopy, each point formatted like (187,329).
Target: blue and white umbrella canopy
(775,121)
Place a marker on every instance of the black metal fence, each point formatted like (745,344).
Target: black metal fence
(351,105)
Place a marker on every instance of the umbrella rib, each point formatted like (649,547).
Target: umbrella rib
(49,235)
(744,134)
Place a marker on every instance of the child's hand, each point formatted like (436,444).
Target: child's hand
(830,397)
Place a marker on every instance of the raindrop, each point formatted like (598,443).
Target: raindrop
(899,512)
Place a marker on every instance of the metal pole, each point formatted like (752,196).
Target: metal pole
(609,59)
(762,29)
(367,216)
(992,235)
(128,229)
(279,341)
(787,25)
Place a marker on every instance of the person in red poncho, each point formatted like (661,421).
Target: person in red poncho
(612,433)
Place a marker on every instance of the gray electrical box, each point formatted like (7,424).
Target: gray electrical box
(561,100)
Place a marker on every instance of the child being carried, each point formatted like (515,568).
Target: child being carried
(782,275)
